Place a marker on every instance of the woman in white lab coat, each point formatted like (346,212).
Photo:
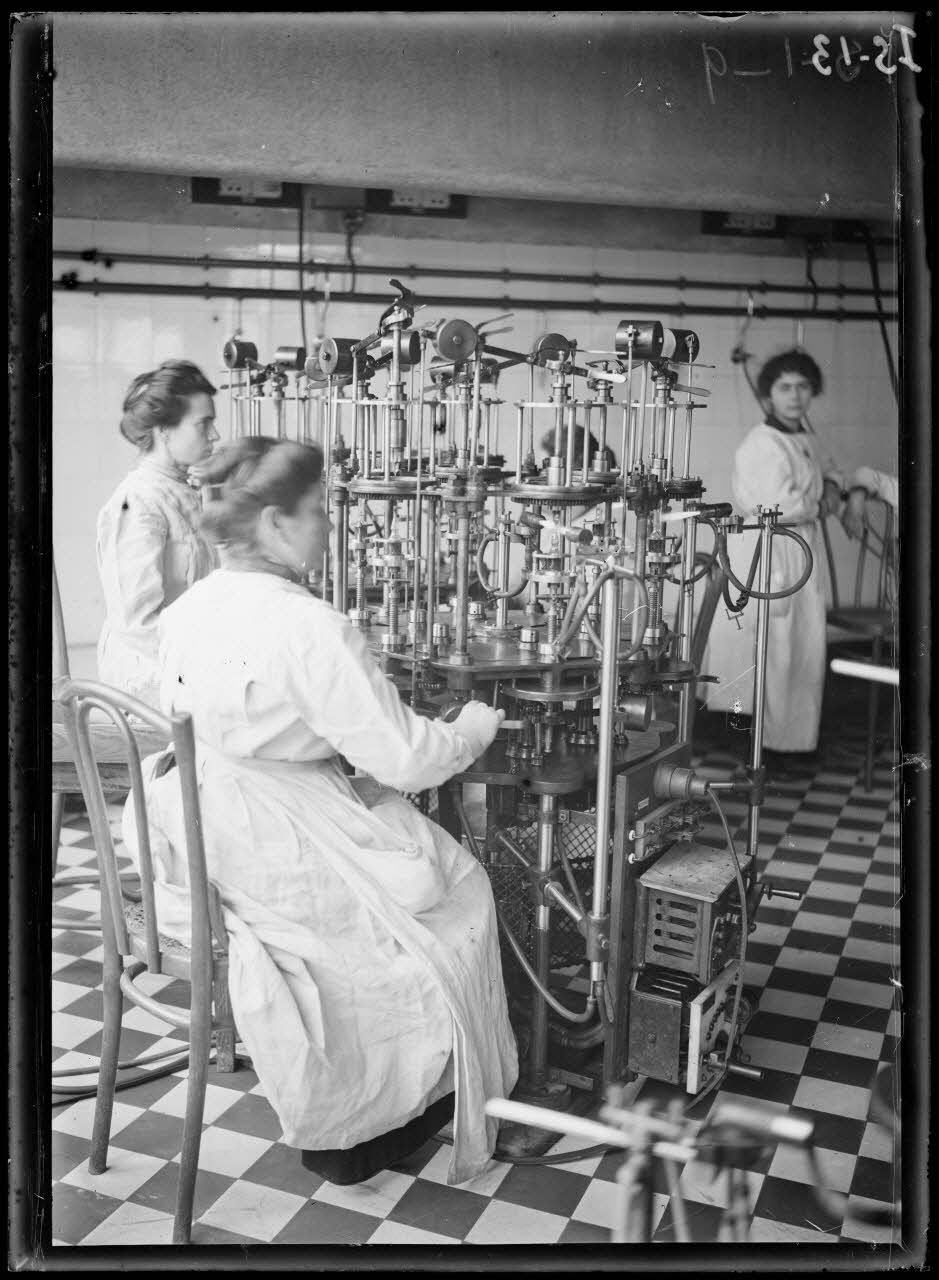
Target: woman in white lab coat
(365,974)
(778,464)
(150,545)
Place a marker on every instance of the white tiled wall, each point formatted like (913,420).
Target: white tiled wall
(101,343)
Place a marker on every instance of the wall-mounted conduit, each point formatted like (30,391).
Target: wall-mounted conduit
(501,302)
(506,277)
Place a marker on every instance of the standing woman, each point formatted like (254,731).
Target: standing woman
(364,965)
(150,545)
(778,464)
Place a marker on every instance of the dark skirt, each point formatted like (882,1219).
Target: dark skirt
(363,1161)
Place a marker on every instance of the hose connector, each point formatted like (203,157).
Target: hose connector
(675,782)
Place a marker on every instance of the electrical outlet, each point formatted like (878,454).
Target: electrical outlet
(246,191)
(416,202)
(236,187)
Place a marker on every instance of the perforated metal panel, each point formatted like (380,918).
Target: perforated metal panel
(512,892)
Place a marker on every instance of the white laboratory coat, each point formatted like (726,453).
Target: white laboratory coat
(773,468)
(364,961)
(882,484)
(150,549)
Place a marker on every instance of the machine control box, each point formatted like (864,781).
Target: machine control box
(688,913)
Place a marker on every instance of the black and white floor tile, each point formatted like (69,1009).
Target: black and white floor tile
(828,1017)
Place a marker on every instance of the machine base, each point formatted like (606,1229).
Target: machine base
(521,1141)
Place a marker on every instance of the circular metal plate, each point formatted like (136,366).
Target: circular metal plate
(568,693)
(559,494)
(402,487)
(456,340)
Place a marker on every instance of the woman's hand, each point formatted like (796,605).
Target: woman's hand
(831,499)
(854,516)
(478,724)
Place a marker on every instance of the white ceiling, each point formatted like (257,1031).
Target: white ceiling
(603,107)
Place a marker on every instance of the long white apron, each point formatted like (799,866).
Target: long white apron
(770,469)
(364,961)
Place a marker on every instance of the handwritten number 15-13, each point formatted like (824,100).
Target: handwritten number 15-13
(882,62)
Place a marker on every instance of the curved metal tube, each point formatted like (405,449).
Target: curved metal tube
(482,573)
(590,1007)
(724,560)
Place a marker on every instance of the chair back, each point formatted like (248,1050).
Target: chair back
(878,542)
(59,645)
(78,698)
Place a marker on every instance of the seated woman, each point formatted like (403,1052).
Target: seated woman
(150,545)
(365,974)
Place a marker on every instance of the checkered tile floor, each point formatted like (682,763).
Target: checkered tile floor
(827,1016)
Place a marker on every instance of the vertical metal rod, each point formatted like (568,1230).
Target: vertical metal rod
(569,462)
(505,548)
(688,412)
(538,1050)
(356,411)
(461,605)
(432,540)
(641,412)
(531,413)
(639,564)
(767,521)
(670,437)
(474,435)
(685,624)
(341,567)
(328,454)
(520,430)
(420,413)
(418,513)
(386,441)
(659,413)
(601,446)
(609,676)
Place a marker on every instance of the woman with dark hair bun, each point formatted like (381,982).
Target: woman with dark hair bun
(364,964)
(150,546)
(778,464)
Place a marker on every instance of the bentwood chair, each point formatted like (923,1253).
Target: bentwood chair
(133,943)
(866,628)
(108,751)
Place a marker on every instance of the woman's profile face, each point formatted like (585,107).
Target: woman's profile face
(192,439)
(790,397)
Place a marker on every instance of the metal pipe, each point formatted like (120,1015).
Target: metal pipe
(608,688)
(595,305)
(569,461)
(461,606)
(474,430)
(504,554)
(341,568)
(538,1050)
(431,576)
(767,521)
(684,624)
(554,891)
(312,267)
(641,411)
